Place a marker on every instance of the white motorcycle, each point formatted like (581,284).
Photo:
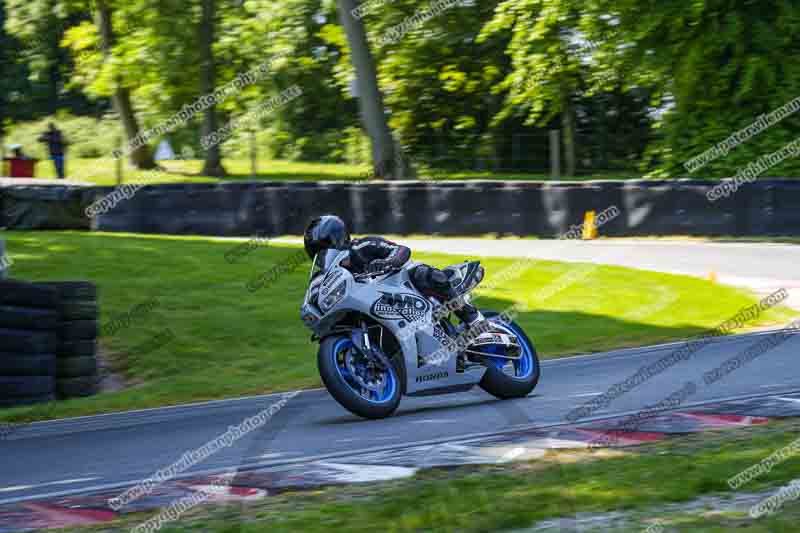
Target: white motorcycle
(381,339)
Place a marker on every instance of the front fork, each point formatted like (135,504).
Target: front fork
(360,338)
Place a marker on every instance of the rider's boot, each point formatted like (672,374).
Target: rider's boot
(470,315)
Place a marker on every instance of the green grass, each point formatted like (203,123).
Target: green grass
(638,482)
(231,342)
(102,171)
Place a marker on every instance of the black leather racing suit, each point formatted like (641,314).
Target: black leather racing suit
(374,254)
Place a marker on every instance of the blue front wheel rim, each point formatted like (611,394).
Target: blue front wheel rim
(376,395)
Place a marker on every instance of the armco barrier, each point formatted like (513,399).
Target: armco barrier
(664,208)
(44,207)
(545,209)
(773,207)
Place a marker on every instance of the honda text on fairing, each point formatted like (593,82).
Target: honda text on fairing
(381,339)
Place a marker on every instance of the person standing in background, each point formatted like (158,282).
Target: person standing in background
(55,145)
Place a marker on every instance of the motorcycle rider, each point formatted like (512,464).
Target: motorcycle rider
(376,254)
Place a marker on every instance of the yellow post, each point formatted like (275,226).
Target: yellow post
(589,228)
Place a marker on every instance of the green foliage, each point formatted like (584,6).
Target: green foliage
(438,81)
(719,64)
(476,85)
(41,68)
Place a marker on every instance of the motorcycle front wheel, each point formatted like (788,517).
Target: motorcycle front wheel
(507,379)
(355,381)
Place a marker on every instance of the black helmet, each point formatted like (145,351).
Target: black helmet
(328,231)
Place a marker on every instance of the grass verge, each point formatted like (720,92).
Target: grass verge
(228,341)
(102,171)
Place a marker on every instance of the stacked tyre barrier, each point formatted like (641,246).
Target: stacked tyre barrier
(29,322)
(48,341)
(76,362)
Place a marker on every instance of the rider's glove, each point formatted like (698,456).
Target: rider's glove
(376,266)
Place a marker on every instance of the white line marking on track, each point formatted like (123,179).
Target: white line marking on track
(50,483)
(18,487)
(513,454)
(434,421)
(353,455)
(268,456)
(586,394)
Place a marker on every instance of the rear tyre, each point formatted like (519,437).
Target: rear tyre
(340,382)
(498,380)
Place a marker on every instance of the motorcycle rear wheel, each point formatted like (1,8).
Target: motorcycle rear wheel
(342,384)
(527,371)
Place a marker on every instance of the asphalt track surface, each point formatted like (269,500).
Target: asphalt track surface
(62,457)
(118,450)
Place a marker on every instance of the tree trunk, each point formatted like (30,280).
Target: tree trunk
(387,160)
(568,125)
(208,72)
(142,157)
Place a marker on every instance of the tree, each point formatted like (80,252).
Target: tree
(213,163)
(550,61)
(439,81)
(713,67)
(13,75)
(388,162)
(141,156)
(38,27)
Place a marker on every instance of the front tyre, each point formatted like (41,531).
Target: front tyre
(507,379)
(354,380)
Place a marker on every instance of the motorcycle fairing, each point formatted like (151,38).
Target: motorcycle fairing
(416,337)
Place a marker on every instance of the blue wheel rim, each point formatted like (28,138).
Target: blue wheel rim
(526,365)
(372,396)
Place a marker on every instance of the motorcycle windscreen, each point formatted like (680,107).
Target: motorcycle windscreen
(323,261)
